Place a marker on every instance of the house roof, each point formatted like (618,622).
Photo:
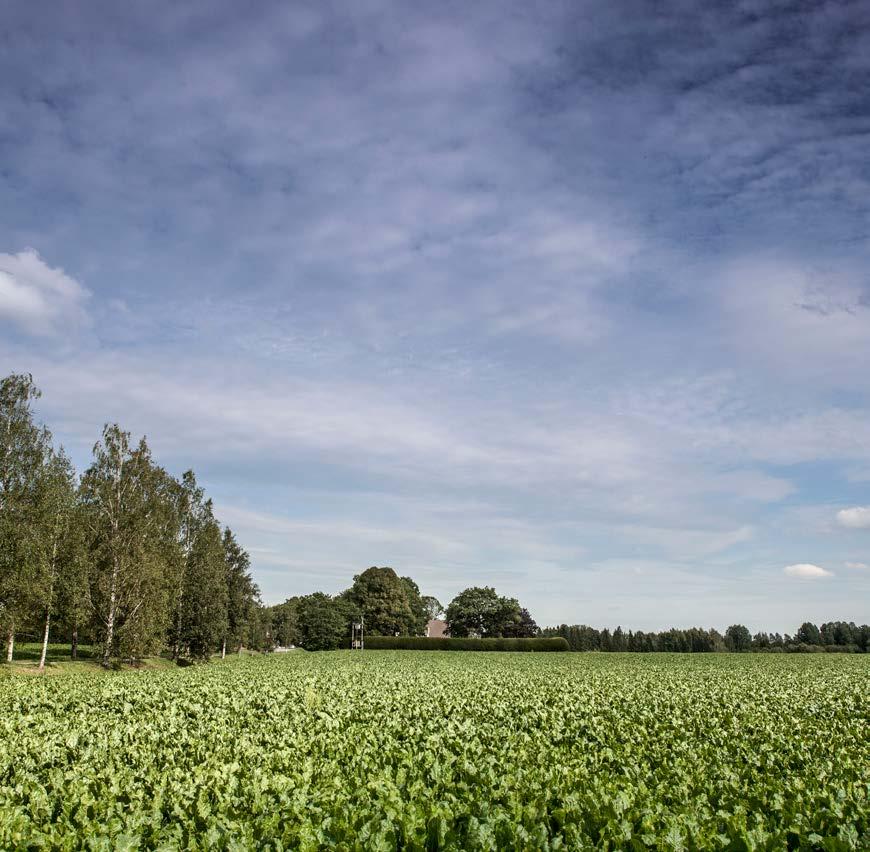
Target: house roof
(436,627)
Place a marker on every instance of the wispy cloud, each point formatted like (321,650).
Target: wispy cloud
(596,281)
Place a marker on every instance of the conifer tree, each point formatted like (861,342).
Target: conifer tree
(203,622)
(243,596)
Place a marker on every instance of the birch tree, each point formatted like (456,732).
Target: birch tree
(56,501)
(128,509)
(22,448)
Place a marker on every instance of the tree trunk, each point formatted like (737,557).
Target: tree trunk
(45,639)
(10,644)
(74,645)
(110,619)
(115,519)
(224,648)
(49,602)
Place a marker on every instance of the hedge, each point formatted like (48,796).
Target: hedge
(444,643)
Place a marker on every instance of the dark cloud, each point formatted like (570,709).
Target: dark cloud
(723,122)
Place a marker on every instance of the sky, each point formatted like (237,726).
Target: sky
(567,298)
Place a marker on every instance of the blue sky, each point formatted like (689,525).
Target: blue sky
(566,298)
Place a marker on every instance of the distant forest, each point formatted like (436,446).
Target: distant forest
(834,636)
(133,560)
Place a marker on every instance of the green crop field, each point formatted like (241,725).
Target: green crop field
(386,750)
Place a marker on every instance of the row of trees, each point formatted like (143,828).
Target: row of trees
(126,555)
(133,559)
(390,605)
(833,636)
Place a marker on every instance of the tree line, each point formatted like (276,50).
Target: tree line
(390,605)
(837,636)
(133,559)
(125,556)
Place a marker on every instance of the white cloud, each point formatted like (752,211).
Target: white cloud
(807,571)
(857,566)
(38,298)
(855,518)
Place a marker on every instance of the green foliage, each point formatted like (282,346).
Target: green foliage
(808,634)
(419,609)
(23,448)
(284,622)
(204,606)
(127,504)
(390,604)
(448,643)
(129,555)
(434,608)
(479,611)
(738,638)
(243,596)
(322,622)
(390,750)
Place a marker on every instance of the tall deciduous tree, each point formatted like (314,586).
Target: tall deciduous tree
(385,601)
(284,623)
(809,634)
(323,622)
(522,626)
(420,613)
(56,503)
(22,448)
(479,611)
(737,638)
(127,503)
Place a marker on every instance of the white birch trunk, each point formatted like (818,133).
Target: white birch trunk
(49,602)
(110,619)
(45,640)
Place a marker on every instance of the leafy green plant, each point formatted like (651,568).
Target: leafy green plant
(387,750)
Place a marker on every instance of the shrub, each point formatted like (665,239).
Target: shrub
(445,643)
(804,648)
